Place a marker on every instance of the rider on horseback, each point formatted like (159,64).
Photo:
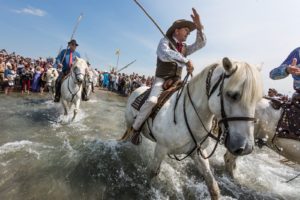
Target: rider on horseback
(65,60)
(170,63)
(290,66)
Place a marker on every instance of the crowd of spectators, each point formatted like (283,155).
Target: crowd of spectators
(22,73)
(122,83)
(27,75)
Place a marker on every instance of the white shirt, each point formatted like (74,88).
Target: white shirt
(166,54)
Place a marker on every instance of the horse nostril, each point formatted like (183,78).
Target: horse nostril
(239,151)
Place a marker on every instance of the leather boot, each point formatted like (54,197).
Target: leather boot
(57,92)
(136,138)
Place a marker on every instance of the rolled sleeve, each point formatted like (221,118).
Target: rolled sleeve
(198,44)
(281,71)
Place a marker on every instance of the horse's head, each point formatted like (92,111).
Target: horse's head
(88,76)
(233,89)
(79,69)
(51,76)
(88,81)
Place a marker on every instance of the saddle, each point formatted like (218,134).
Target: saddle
(169,89)
(277,102)
(288,125)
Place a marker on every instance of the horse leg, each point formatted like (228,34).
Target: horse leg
(230,163)
(65,105)
(76,109)
(204,168)
(159,154)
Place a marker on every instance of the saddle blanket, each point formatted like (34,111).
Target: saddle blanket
(162,99)
(289,123)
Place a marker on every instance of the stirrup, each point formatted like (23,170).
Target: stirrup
(136,138)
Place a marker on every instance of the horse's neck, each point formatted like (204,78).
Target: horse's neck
(268,119)
(198,96)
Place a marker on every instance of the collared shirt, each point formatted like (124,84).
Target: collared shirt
(281,71)
(166,54)
(66,61)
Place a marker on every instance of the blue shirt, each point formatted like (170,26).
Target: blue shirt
(8,72)
(65,68)
(281,72)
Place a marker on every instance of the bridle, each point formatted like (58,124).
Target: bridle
(224,120)
(222,136)
(76,81)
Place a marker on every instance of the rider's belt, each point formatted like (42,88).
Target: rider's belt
(166,70)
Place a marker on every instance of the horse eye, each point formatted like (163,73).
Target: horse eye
(235,96)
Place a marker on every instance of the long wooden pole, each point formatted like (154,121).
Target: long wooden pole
(73,33)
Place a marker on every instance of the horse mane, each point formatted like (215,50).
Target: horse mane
(252,89)
(80,62)
(247,75)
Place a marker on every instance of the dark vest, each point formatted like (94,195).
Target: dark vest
(167,70)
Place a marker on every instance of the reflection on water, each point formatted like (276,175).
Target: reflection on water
(42,159)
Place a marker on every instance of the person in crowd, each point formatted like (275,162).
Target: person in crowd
(36,82)
(112,80)
(2,69)
(26,77)
(9,78)
(105,81)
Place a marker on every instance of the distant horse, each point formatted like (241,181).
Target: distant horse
(71,87)
(228,90)
(268,118)
(90,81)
(51,76)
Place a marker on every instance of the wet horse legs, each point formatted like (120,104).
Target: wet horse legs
(204,168)
(159,154)
(230,163)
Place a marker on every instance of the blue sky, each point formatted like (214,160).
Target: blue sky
(256,31)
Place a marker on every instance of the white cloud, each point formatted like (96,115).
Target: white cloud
(31,11)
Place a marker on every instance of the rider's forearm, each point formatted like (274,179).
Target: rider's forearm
(198,44)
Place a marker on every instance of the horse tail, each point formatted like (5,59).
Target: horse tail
(126,135)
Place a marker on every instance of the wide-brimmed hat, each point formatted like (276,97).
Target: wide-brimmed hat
(73,42)
(181,23)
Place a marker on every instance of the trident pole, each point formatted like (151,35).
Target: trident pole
(73,33)
(157,26)
(160,30)
(126,66)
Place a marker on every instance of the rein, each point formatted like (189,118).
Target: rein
(179,93)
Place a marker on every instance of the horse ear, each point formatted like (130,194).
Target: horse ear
(259,66)
(227,64)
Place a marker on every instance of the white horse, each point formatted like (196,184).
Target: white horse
(87,84)
(228,90)
(90,81)
(268,118)
(51,76)
(71,87)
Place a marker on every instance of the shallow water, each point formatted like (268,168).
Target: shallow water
(42,159)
